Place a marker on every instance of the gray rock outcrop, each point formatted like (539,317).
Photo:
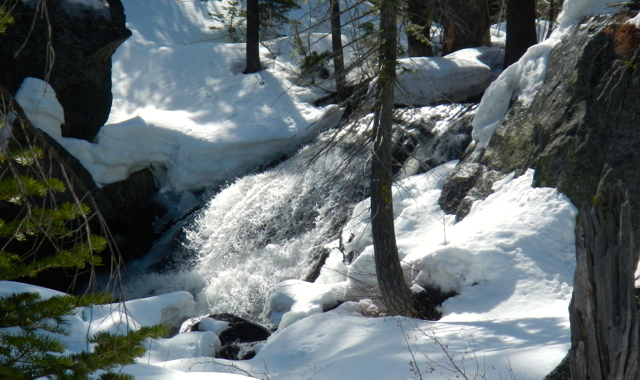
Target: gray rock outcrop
(581,131)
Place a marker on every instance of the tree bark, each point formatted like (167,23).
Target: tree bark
(418,12)
(521,29)
(336,42)
(604,330)
(253,37)
(394,290)
(467,24)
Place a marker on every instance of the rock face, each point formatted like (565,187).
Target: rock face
(75,57)
(71,49)
(581,131)
(124,207)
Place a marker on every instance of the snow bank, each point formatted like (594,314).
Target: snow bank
(453,78)
(183,153)
(176,89)
(182,106)
(152,372)
(186,345)
(168,309)
(635,21)
(521,80)
(39,101)
(574,11)
(511,260)
(484,248)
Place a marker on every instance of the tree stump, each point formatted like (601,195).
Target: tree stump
(604,330)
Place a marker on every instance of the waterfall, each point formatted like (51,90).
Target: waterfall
(265,228)
(272,226)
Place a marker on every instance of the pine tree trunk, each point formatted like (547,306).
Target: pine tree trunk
(253,37)
(418,11)
(521,29)
(395,292)
(604,330)
(336,42)
(467,24)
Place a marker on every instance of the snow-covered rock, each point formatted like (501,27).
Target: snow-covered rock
(292,300)
(456,77)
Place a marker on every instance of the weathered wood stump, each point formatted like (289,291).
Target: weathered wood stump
(604,330)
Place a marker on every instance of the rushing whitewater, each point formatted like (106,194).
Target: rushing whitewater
(273,226)
(264,228)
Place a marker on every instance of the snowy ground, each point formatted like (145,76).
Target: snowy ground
(511,259)
(183,108)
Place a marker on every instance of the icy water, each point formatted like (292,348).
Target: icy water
(268,227)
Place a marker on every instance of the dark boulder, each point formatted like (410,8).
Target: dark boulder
(238,338)
(123,207)
(229,352)
(561,372)
(71,49)
(239,330)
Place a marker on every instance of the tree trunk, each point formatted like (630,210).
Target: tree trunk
(604,330)
(253,37)
(521,29)
(395,292)
(336,42)
(552,18)
(418,12)
(467,24)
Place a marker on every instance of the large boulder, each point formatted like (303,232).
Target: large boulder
(124,207)
(580,133)
(69,45)
(581,130)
